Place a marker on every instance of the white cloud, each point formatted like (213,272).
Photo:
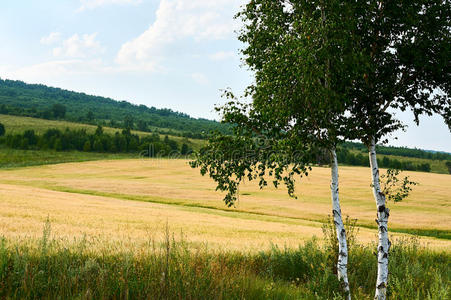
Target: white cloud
(221,55)
(199,78)
(51,38)
(79,46)
(180,20)
(57,68)
(92,4)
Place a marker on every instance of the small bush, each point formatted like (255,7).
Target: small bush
(2,129)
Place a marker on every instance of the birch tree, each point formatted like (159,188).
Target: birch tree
(304,60)
(406,49)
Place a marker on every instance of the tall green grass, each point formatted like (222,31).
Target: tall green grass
(173,269)
(14,158)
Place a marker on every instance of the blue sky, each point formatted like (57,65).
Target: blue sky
(174,54)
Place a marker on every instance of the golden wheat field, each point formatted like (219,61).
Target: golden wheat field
(132,201)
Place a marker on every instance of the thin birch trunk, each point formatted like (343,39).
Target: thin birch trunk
(342,265)
(382,220)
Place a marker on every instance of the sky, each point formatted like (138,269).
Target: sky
(176,54)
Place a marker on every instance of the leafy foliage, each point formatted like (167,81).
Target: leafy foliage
(396,189)
(448,164)
(405,51)
(230,160)
(297,114)
(331,241)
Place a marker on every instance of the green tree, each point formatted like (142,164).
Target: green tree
(3,109)
(2,129)
(303,70)
(87,146)
(128,122)
(99,130)
(59,111)
(142,125)
(58,145)
(30,136)
(98,146)
(405,48)
(448,165)
(185,149)
(90,116)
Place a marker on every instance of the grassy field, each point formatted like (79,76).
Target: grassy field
(17,124)
(14,158)
(53,268)
(156,229)
(135,198)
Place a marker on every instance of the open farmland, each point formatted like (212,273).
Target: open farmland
(132,200)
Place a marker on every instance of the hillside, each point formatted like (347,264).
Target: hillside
(40,101)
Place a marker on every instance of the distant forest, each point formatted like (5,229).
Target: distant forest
(39,101)
(345,156)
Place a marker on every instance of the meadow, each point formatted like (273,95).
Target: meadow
(15,158)
(155,228)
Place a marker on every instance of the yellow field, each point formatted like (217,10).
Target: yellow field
(131,200)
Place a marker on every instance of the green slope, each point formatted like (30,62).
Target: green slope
(33,100)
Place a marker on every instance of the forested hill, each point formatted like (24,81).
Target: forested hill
(40,101)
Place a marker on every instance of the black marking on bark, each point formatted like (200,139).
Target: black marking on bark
(382,229)
(381,249)
(381,208)
(382,285)
(385,255)
(377,221)
(334,212)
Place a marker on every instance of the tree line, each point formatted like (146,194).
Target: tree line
(400,151)
(345,156)
(80,140)
(55,139)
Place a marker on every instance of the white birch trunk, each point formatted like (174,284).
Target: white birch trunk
(382,220)
(342,265)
